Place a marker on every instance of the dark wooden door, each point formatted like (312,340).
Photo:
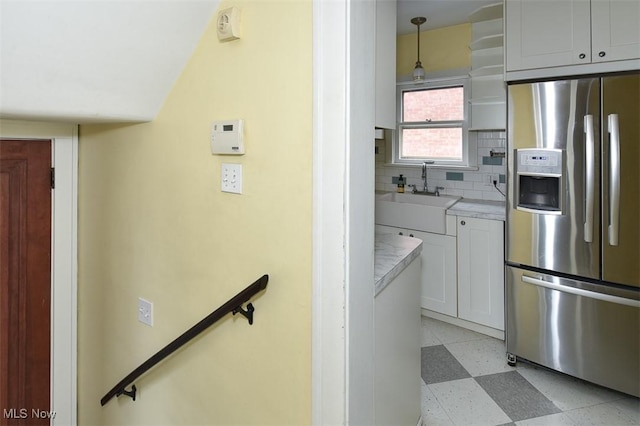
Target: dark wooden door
(25,281)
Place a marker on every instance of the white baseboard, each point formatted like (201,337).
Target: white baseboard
(478,328)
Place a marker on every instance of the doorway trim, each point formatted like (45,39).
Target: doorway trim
(343,222)
(64,265)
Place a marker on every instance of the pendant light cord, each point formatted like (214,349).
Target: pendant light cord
(418,42)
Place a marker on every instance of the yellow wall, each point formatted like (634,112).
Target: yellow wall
(153,223)
(440,49)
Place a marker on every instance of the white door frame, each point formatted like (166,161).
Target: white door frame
(64,259)
(343,201)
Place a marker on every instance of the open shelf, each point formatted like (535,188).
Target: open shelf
(488,92)
(487,42)
(488,70)
(486,13)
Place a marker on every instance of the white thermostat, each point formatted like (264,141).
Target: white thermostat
(227,137)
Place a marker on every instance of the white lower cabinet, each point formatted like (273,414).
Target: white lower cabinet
(439,292)
(481,271)
(463,270)
(438,256)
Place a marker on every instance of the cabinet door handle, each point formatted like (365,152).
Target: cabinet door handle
(582,56)
(411,235)
(400,233)
(601,53)
(462,222)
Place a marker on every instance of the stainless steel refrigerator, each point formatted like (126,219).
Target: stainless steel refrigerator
(573,228)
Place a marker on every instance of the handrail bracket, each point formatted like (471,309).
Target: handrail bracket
(131,394)
(248,313)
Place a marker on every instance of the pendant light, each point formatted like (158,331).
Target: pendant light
(418,71)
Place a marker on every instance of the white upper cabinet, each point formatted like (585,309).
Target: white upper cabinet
(542,34)
(385,64)
(615,30)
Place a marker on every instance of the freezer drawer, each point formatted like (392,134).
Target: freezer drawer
(575,327)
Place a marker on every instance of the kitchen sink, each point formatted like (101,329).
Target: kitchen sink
(413,211)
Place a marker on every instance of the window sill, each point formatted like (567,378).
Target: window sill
(430,166)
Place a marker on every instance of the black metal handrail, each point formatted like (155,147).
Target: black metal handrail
(234,305)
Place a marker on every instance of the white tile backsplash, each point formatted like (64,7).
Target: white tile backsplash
(473,183)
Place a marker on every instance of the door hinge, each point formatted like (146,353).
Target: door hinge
(53,178)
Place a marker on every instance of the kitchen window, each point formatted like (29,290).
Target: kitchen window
(432,124)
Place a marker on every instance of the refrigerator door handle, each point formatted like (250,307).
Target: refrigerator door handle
(590,183)
(580,292)
(614,180)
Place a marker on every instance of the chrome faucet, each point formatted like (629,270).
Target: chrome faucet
(424,175)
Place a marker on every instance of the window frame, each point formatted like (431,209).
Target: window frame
(469,149)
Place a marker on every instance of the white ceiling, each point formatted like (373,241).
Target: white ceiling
(95,60)
(113,60)
(439,13)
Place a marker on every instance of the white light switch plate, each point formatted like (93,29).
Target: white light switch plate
(145,311)
(231,180)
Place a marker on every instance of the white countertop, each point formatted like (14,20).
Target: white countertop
(393,253)
(482,209)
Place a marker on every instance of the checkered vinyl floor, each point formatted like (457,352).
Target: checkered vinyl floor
(467,381)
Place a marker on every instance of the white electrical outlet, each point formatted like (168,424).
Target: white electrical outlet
(145,311)
(231,179)
(491,179)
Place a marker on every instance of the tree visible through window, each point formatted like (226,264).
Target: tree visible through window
(431,124)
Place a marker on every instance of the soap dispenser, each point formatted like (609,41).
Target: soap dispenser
(401,184)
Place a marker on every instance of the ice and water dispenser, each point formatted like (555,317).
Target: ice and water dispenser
(539,180)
